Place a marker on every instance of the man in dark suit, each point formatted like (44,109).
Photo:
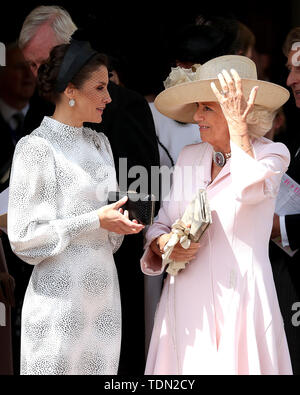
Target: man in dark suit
(129,126)
(286,269)
(17,86)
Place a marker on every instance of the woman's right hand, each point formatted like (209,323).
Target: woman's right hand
(112,219)
(179,253)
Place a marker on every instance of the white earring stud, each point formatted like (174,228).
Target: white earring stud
(71,102)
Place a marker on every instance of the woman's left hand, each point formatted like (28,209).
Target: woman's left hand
(233,102)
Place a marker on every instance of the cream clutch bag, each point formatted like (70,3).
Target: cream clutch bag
(198,216)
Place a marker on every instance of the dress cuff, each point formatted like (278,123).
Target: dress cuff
(253,180)
(251,167)
(92,220)
(151,263)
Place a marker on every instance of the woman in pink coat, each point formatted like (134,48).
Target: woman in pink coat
(220,315)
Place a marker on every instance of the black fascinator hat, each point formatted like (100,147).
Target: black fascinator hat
(77,55)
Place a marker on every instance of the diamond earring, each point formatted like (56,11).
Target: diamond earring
(71,102)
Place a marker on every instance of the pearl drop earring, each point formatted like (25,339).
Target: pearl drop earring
(71,102)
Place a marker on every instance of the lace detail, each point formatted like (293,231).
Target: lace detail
(71,318)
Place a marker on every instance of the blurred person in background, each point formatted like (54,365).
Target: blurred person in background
(17,86)
(286,269)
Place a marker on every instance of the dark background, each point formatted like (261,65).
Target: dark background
(138,33)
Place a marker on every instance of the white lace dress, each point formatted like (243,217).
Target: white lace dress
(71,318)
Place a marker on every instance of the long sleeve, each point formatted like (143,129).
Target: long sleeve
(255,179)
(34,229)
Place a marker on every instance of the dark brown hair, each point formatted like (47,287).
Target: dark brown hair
(48,72)
(243,41)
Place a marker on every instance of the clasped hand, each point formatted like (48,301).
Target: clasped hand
(114,219)
(179,253)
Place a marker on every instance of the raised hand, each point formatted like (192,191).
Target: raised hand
(234,105)
(112,219)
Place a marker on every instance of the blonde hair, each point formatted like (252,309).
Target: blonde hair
(58,18)
(260,119)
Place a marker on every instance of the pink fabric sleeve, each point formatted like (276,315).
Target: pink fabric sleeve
(255,179)
(151,263)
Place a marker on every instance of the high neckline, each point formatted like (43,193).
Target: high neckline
(68,129)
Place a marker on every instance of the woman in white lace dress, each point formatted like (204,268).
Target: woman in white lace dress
(59,221)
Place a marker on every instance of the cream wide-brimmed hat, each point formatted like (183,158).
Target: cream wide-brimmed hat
(185,88)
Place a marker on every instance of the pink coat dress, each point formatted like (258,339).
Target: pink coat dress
(221,314)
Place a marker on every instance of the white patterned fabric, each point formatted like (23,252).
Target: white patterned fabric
(71,318)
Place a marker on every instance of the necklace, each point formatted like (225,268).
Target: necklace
(220,159)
